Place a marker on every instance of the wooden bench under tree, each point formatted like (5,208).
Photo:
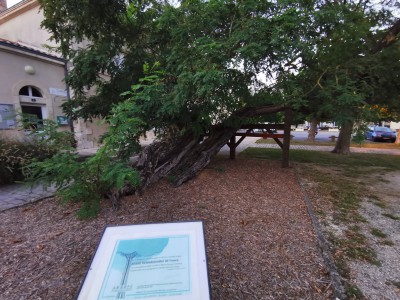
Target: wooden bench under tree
(267,132)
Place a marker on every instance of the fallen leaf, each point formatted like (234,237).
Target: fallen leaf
(16,241)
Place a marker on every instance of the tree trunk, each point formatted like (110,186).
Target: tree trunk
(398,137)
(343,142)
(389,38)
(181,158)
(312,131)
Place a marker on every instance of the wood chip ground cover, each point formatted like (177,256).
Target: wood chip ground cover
(260,241)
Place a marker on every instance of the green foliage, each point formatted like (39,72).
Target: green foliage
(210,53)
(390,216)
(184,68)
(90,180)
(353,292)
(203,60)
(42,141)
(335,74)
(86,181)
(219,169)
(359,135)
(14,155)
(377,232)
(50,135)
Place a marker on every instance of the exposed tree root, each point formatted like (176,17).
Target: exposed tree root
(181,158)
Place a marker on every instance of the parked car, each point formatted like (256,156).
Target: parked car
(380,133)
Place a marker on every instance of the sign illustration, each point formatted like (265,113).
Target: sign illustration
(150,261)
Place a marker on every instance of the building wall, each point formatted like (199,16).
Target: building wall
(47,78)
(394,125)
(22,25)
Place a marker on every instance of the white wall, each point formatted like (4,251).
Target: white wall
(23,26)
(394,125)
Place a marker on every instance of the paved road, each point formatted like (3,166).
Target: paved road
(19,194)
(251,142)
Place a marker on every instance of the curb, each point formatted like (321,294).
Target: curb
(338,289)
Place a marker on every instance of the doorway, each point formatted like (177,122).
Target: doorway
(32,116)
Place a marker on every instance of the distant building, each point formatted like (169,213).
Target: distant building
(394,125)
(32,78)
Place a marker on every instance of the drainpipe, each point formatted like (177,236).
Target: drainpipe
(3,5)
(71,124)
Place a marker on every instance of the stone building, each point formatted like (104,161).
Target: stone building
(32,78)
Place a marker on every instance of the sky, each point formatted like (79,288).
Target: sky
(12,2)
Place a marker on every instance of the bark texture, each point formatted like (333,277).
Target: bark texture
(312,131)
(343,142)
(388,39)
(180,158)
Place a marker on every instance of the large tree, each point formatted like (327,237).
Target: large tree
(347,61)
(191,71)
(196,70)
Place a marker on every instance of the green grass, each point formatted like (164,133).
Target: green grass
(395,283)
(355,246)
(390,216)
(298,142)
(345,197)
(377,201)
(346,203)
(353,292)
(366,144)
(219,169)
(353,160)
(339,178)
(378,233)
(387,243)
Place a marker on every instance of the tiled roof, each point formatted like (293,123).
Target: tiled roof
(14,7)
(28,49)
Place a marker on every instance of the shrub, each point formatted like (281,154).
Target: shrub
(104,174)
(41,143)
(14,155)
(359,134)
(85,181)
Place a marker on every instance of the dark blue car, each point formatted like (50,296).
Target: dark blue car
(380,133)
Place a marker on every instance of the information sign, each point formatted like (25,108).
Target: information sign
(149,261)
(62,120)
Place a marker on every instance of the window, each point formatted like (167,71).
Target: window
(30,91)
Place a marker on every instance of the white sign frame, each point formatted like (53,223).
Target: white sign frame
(58,92)
(149,261)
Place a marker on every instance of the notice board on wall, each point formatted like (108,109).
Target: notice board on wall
(7,116)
